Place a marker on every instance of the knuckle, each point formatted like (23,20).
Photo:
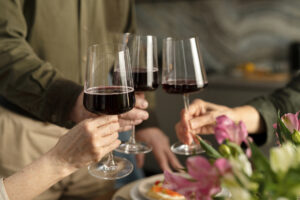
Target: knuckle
(107,118)
(87,127)
(115,135)
(99,154)
(95,153)
(197,101)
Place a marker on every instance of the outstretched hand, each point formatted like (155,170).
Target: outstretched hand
(160,148)
(200,119)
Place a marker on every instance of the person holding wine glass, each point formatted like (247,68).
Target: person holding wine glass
(143,50)
(108,95)
(183,73)
(87,142)
(41,93)
(42,72)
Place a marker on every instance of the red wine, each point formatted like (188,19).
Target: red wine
(143,80)
(182,87)
(109,100)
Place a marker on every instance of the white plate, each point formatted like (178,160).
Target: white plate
(145,185)
(134,193)
(140,190)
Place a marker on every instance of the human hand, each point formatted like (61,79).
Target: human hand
(135,116)
(87,142)
(126,120)
(200,119)
(160,148)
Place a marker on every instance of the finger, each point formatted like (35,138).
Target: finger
(135,114)
(107,129)
(140,94)
(141,102)
(102,120)
(107,140)
(205,130)
(140,159)
(162,161)
(124,123)
(185,117)
(173,160)
(203,120)
(182,133)
(125,128)
(105,150)
(199,106)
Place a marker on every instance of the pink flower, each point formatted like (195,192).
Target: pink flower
(291,121)
(205,178)
(227,129)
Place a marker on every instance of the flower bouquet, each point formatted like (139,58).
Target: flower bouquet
(245,172)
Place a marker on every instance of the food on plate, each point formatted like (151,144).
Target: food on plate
(157,191)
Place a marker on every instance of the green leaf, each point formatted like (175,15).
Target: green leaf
(236,148)
(210,150)
(261,163)
(280,135)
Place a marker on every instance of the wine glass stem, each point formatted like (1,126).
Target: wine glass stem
(110,160)
(186,100)
(132,137)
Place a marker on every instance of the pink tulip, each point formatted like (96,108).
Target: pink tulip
(227,129)
(205,178)
(291,121)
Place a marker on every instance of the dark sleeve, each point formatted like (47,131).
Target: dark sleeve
(285,100)
(25,80)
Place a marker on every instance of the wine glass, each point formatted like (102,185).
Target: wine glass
(183,73)
(109,93)
(143,50)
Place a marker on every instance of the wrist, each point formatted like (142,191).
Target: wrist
(59,165)
(251,117)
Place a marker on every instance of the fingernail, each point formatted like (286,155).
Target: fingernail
(145,116)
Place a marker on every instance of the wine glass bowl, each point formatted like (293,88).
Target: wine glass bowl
(183,73)
(109,90)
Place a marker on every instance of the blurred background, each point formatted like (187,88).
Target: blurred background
(249,47)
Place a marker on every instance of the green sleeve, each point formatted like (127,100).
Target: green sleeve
(285,100)
(131,21)
(25,80)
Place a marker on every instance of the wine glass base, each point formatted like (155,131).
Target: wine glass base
(184,149)
(100,170)
(136,148)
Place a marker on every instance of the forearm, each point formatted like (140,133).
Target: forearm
(35,178)
(251,117)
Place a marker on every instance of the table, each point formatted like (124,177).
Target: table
(125,190)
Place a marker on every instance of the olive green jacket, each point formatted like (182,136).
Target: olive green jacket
(43,50)
(285,100)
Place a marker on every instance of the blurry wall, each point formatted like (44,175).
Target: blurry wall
(231,31)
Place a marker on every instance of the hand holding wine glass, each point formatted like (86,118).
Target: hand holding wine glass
(145,78)
(109,93)
(183,73)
